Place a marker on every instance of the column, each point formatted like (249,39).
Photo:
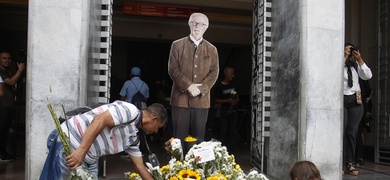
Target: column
(307,92)
(56,70)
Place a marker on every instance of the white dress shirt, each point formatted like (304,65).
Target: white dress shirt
(363,72)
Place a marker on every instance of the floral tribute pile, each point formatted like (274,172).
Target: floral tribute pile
(200,164)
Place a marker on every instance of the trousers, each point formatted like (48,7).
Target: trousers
(353,113)
(228,129)
(55,165)
(189,121)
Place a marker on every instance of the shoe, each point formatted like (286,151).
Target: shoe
(351,170)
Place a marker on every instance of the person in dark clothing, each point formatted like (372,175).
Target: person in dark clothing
(227,96)
(7,102)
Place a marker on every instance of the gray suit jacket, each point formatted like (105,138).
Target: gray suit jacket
(189,64)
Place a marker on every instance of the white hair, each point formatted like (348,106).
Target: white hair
(199,14)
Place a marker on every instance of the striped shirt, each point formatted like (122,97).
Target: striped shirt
(121,137)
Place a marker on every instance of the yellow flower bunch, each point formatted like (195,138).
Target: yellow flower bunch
(190,139)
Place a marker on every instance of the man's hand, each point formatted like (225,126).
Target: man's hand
(194,90)
(76,158)
(21,66)
(358,57)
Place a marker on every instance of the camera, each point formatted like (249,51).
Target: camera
(353,49)
(21,56)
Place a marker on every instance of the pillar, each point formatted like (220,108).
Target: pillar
(56,70)
(307,91)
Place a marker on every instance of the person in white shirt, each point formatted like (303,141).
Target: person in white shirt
(354,68)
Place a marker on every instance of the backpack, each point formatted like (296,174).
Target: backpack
(138,99)
(77,111)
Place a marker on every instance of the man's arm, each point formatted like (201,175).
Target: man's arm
(140,167)
(93,130)
(15,78)
(364,71)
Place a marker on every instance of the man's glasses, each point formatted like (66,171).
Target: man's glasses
(199,24)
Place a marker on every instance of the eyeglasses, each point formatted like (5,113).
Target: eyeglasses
(199,24)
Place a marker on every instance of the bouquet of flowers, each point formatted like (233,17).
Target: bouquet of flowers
(221,167)
(174,148)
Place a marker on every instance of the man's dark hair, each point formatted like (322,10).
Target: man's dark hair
(157,109)
(349,44)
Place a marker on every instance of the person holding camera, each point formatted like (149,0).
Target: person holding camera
(7,102)
(354,68)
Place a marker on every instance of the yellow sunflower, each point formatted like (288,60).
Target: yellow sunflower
(185,174)
(194,175)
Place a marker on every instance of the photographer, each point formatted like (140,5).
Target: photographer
(7,102)
(354,68)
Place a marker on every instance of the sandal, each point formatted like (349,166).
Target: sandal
(351,170)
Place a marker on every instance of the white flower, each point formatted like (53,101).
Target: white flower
(176,144)
(254,175)
(81,172)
